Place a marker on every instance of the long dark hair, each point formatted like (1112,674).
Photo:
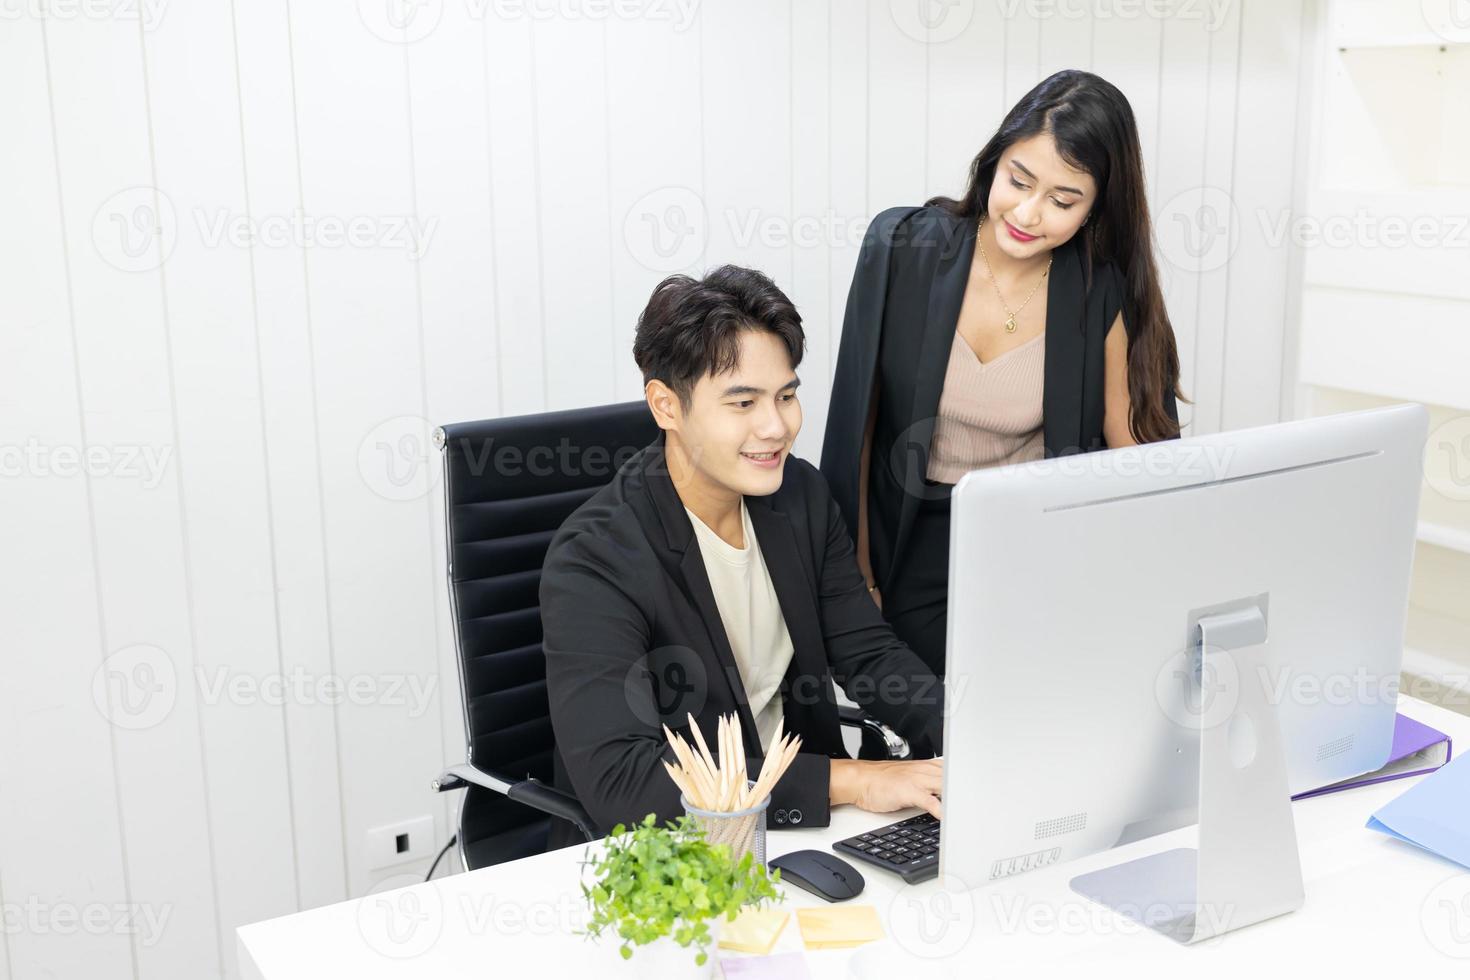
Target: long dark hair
(1095,132)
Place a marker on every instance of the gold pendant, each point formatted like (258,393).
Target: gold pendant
(1011,325)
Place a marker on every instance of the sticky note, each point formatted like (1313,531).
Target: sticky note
(754,930)
(782,966)
(839,926)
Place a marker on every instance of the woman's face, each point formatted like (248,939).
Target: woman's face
(1037,201)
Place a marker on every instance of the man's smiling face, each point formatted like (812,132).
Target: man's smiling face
(739,425)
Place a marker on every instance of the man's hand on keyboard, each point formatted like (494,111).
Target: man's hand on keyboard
(882,787)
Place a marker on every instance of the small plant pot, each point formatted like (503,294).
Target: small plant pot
(663,958)
(639,885)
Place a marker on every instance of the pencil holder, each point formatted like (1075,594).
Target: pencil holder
(743,830)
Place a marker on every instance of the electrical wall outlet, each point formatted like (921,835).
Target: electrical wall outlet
(400,843)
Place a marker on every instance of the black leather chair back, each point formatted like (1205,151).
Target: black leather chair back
(509,484)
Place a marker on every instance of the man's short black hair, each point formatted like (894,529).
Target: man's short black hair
(691,327)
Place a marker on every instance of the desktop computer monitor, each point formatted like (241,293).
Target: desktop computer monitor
(1076,687)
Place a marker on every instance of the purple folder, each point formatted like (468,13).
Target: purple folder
(1417,749)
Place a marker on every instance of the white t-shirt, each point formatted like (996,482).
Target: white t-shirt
(752,617)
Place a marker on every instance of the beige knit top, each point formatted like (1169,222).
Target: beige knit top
(990,412)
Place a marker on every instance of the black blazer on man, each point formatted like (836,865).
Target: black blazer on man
(634,640)
(902,313)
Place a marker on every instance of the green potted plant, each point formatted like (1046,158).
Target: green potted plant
(666,888)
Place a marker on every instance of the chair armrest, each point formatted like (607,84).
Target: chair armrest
(855,718)
(531,792)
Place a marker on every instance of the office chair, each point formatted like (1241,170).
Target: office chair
(508,485)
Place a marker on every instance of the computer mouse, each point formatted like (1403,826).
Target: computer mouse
(824,875)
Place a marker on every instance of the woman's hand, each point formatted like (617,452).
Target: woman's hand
(877,597)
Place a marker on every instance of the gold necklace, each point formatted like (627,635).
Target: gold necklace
(1010,314)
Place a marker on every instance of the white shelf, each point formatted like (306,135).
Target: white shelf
(1385,303)
(1393,103)
(1407,241)
(1412,39)
(1444,536)
(1406,348)
(1376,24)
(1437,648)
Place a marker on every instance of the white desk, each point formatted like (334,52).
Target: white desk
(1374,907)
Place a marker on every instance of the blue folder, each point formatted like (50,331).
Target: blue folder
(1434,813)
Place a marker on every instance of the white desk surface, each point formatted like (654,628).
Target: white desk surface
(1375,907)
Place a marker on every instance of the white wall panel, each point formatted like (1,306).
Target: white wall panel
(120,231)
(357,168)
(655,173)
(1211,221)
(816,227)
(287,353)
(1262,186)
(63,840)
(215,373)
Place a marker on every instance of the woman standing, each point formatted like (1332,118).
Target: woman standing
(1022,321)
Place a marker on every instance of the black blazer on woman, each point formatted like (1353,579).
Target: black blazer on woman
(902,313)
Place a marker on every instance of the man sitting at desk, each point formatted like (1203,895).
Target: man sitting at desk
(715,574)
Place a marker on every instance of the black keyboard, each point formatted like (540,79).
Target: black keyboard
(909,847)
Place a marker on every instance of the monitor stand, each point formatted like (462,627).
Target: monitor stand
(1246,868)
